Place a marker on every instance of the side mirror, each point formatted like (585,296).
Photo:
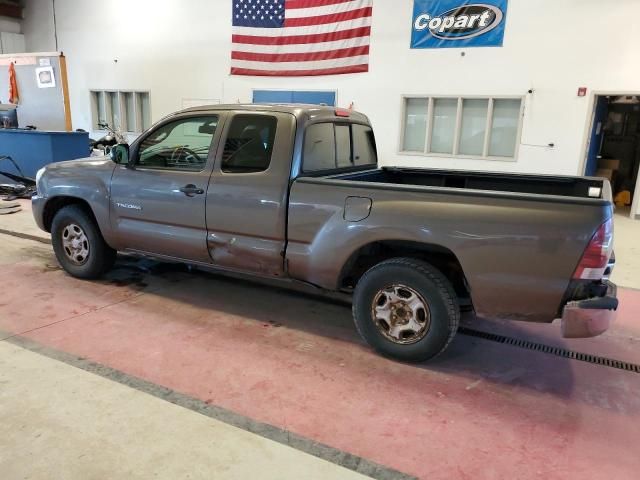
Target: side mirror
(120,154)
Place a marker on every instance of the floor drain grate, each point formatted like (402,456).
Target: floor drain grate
(557,351)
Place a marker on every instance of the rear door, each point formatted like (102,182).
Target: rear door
(159,205)
(247,195)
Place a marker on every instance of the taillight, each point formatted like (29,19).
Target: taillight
(596,257)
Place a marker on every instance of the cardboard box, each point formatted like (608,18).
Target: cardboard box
(605,172)
(609,164)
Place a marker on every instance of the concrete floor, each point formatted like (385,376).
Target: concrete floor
(292,369)
(627,248)
(62,422)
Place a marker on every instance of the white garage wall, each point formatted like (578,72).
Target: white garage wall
(37,25)
(10,25)
(180,49)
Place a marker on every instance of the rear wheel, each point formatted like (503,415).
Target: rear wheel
(78,244)
(406,309)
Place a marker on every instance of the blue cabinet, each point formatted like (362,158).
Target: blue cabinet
(33,149)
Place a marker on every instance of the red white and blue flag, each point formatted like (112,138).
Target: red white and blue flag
(300,37)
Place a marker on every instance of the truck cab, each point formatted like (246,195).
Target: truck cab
(211,186)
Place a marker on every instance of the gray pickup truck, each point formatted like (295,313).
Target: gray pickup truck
(295,192)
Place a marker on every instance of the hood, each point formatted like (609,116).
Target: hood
(89,162)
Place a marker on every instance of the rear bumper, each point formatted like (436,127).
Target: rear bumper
(591,317)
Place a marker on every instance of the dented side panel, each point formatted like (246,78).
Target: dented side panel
(247,212)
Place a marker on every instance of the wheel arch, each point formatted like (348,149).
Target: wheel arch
(55,204)
(371,254)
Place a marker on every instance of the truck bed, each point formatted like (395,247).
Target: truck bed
(518,238)
(577,187)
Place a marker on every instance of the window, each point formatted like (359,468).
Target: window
(338,145)
(415,126)
(319,151)
(98,107)
(474,127)
(249,144)
(343,146)
(506,115)
(364,145)
(123,111)
(444,125)
(180,145)
(129,123)
(143,111)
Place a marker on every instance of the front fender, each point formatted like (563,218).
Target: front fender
(86,180)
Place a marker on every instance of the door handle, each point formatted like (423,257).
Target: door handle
(191,190)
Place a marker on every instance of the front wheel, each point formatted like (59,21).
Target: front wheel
(406,309)
(78,244)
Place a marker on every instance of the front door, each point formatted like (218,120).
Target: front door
(158,204)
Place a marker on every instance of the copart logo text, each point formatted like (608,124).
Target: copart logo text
(467,21)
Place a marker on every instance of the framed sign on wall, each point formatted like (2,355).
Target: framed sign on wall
(458,23)
(45,77)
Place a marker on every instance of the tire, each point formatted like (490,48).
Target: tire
(78,244)
(404,289)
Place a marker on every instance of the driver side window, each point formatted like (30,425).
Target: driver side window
(180,145)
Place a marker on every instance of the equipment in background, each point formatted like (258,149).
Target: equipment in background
(623,199)
(9,208)
(8,116)
(48,108)
(103,145)
(24,187)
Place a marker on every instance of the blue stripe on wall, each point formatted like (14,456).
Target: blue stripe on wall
(291,96)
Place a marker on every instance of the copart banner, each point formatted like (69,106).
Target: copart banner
(458,23)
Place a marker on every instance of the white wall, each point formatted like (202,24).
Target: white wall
(10,25)
(180,49)
(11,38)
(38,26)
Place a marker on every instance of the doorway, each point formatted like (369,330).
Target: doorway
(614,148)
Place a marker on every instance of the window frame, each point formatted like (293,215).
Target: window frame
(458,127)
(134,155)
(350,168)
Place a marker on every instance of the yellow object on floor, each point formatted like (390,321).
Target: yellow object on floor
(623,198)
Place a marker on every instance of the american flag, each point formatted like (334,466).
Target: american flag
(300,37)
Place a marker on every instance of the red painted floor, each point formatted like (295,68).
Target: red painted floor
(482,410)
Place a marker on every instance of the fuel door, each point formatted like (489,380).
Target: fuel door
(357,209)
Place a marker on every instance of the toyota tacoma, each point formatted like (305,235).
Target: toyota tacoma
(295,192)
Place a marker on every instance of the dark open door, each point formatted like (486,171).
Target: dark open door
(597,133)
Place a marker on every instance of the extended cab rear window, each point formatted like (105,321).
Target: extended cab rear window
(330,146)
(249,144)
